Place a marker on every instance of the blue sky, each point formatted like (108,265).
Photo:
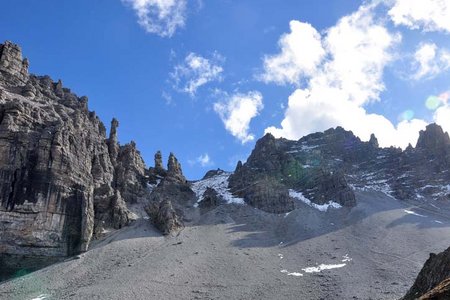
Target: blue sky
(206,79)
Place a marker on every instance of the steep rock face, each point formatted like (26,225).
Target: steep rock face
(440,292)
(171,196)
(272,169)
(433,276)
(130,173)
(11,62)
(60,179)
(164,216)
(174,171)
(434,143)
(328,166)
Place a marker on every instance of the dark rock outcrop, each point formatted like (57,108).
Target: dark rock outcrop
(174,171)
(212,173)
(432,279)
(434,143)
(164,216)
(171,196)
(210,200)
(273,168)
(440,292)
(61,180)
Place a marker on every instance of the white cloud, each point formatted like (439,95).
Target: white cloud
(203,160)
(162,17)
(294,61)
(196,71)
(236,112)
(429,61)
(442,113)
(357,48)
(430,15)
(442,117)
(308,113)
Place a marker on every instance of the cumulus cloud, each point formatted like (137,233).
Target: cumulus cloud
(294,61)
(430,15)
(196,71)
(203,160)
(429,61)
(441,106)
(348,77)
(308,113)
(162,17)
(236,112)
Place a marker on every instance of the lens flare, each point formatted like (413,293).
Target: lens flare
(407,115)
(433,102)
(444,97)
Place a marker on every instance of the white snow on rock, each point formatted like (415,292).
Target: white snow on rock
(346,258)
(322,267)
(410,212)
(219,183)
(296,274)
(323,207)
(41,297)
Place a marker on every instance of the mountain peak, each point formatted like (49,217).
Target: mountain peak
(11,61)
(433,138)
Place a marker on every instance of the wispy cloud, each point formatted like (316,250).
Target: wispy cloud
(430,61)
(196,71)
(161,17)
(203,160)
(236,112)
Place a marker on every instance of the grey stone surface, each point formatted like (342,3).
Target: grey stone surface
(61,180)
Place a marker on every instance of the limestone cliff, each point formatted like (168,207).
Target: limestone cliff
(61,179)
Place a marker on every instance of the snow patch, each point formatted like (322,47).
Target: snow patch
(322,267)
(296,274)
(410,212)
(219,183)
(323,207)
(346,258)
(280,255)
(439,222)
(41,297)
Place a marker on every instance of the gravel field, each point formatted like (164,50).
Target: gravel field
(373,251)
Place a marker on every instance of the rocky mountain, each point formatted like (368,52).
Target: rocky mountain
(329,166)
(62,181)
(65,183)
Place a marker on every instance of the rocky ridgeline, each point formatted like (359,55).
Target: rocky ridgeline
(273,168)
(330,165)
(61,180)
